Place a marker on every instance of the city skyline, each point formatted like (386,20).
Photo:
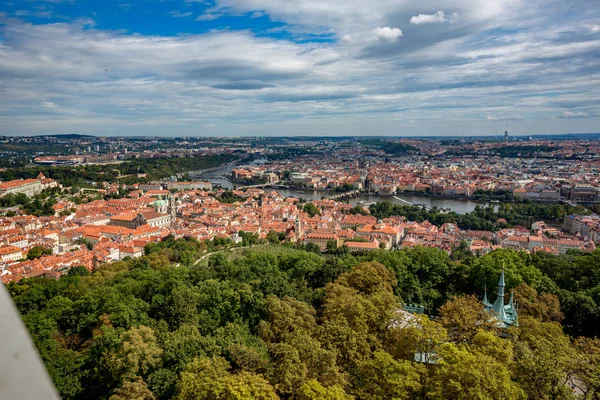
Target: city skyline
(269,68)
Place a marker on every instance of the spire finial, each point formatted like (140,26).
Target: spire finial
(485,299)
(501,286)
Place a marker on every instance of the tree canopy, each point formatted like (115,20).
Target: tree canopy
(280,322)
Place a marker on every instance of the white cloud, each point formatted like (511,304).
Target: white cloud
(210,14)
(48,104)
(355,17)
(207,17)
(386,33)
(571,114)
(436,18)
(179,14)
(488,66)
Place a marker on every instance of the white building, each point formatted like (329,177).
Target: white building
(10,253)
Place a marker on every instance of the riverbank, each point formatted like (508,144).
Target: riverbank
(310,194)
(493,200)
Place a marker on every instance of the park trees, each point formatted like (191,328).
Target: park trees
(301,325)
(210,379)
(465,373)
(464,316)
(545,359)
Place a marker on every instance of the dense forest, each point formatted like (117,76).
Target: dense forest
(155,168)
(482,218)
(279,322)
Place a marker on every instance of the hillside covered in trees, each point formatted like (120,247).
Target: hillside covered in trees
(481,218)
(154,168)
(277,322)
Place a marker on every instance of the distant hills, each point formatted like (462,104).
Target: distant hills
(561,136)
(67,136)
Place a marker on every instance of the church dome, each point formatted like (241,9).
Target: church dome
(160,203)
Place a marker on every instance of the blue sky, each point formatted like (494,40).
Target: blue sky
(299,67)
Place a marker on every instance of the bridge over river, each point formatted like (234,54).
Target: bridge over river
(412,204)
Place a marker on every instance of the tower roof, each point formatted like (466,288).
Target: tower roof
(505,314)
(485,298)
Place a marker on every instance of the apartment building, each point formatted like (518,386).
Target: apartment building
(10,254)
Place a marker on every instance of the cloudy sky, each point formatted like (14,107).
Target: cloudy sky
(299,67)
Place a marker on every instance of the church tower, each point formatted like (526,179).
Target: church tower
(506,314)
(498,305)
(298,227)
(172,209)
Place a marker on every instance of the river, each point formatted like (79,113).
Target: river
(458,206)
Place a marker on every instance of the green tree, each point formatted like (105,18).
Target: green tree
(588,367)
(184,344)
(210,379)
(78,270)
(273,237)
(138,354)
(486,270)
(133,390)
(286,317)
(37,252)
(488,343)
(248,358)
(295,353)
(331,246)
(463,374)
(545,358)
(464,316)
(382,377)
(357,311)
(249,386)
(313,390)
(545,306)
(86,243)
(311,209)
(416,335)
(313,247)
(203,378)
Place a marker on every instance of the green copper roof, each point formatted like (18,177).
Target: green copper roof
(506,314)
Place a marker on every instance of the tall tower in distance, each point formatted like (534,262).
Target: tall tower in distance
(172,209)
(506,134)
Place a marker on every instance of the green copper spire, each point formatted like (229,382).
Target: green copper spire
(501,284)
(485,299)
(498,305)
(505,314)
